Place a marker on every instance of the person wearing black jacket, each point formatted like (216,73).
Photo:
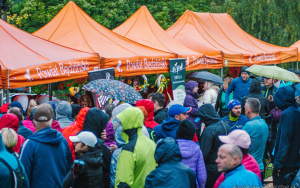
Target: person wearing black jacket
(255,92)
(160,113)
(87,171)
(209,141)
(96,121)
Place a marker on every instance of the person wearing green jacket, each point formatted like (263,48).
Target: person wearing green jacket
(136,160)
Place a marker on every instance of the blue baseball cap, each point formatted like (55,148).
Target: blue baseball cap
(177,109)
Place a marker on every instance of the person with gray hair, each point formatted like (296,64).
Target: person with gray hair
(230,161)
(46,155)
(258,130)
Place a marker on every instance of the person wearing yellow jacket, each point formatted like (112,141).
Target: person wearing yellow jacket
(136,160)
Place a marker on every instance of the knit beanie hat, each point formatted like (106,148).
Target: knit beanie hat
(186,130)
(243,69)
(232,104)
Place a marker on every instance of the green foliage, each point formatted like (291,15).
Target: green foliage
(276,22)
(30,15)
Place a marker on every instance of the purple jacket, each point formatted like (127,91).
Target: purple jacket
(191,101)
(110,139)
(192,157)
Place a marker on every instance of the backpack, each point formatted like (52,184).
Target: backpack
(18,180)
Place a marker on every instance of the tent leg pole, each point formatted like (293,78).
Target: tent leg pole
(7,91)
(1,97)
(50,91)
(7,95)
(221,73)
(297,65)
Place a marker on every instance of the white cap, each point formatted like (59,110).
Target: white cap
(86,137)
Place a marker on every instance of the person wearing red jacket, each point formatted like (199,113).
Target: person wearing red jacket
(10,120)
(242,139)
(149,106)
(76,127)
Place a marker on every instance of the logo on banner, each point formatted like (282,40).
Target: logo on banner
(27,75)
(119,66)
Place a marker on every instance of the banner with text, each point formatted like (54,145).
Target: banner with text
(177,73)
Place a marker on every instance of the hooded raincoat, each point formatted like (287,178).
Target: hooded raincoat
(96,121)
(46,158)
(136,160)
(287,145)
(191,101)
(72,130)
(149,106)
(64,114)
(209,142)
(11,121)
(255,92)
(171,172)
(5,174)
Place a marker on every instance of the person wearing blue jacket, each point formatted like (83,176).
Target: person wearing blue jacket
(235,119)
(46,155)
(5,173)
(229,161)
(239,86)
(169,126)
(170,172)
(287,144)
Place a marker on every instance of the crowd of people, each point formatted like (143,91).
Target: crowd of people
(221,137)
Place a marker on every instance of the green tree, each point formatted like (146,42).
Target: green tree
(276,22)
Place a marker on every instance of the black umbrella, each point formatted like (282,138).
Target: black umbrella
(203,76)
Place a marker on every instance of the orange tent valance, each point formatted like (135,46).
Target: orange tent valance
(219,34)
(27,60)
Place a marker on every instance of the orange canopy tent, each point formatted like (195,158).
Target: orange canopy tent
(72,27)
(219,34)
(297,45)
(27,60)
(142,28)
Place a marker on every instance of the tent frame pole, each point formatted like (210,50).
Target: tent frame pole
(221,74)
(50,91)
(7,90)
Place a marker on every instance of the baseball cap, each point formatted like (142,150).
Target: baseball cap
(43,113)
(177,109)
(238,137)
(86,137)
